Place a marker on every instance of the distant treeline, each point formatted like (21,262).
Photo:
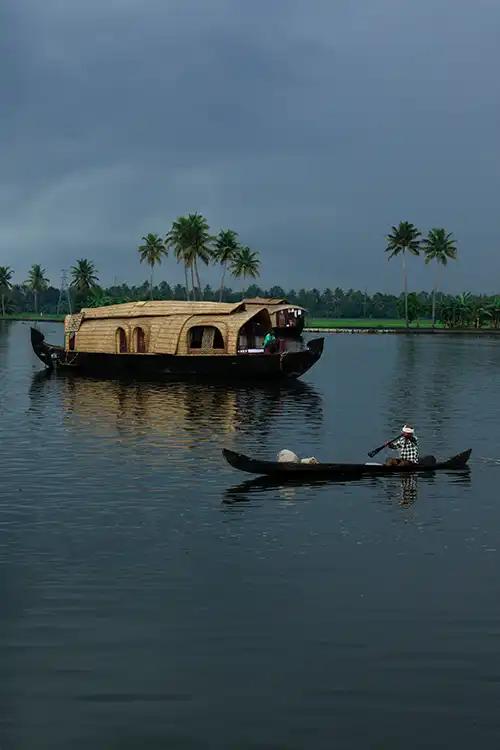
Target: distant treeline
(329,303)
(193,245)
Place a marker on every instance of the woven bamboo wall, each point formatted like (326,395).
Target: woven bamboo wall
(100,335)
(166,338)
(163,335)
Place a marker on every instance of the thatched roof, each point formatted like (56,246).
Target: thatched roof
(274,304)
(161,308)
(265,301)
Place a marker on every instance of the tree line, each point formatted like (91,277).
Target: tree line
(461,311)
(193,245)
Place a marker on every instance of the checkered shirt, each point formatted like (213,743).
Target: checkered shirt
(408,448)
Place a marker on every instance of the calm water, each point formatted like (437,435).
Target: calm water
(151,597)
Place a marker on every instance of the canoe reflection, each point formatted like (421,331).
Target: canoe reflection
(260,486)
(275,487)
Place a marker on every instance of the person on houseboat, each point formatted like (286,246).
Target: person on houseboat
(270,343)
(407,445)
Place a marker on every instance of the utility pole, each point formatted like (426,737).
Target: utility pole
(64,293)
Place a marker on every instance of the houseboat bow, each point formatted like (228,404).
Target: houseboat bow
(170,339)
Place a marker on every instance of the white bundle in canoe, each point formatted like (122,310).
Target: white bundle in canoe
(286,456)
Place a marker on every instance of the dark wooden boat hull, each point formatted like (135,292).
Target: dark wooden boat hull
(323,470)
(165,366)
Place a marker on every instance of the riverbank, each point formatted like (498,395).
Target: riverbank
(395,326)
(362,323)
(32,316)
(411,331)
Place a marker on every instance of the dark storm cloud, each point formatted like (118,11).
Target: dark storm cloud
(309,127)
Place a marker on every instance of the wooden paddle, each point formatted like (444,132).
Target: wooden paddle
(381,448)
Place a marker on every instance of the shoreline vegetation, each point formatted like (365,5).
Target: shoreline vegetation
(319,325)
(191,243)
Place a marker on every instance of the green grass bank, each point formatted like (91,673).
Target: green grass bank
(33,316)
(366,323)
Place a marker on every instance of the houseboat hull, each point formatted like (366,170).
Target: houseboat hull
(165,366)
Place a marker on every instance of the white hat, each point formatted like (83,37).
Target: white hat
(407,430)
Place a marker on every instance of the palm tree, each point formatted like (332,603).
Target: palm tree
(177,239)
(37,282)
(465,309)
(190,237)
(152,251)
(5,276)
(245,263)
(440,246)
(84,276)
(494,310)
(225,249)
(402,238)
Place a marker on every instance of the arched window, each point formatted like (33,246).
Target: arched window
(218,340)
(121,340)
(205,337)
(139,340)
(72,341)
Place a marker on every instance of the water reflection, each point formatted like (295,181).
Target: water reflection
(272,488)
(5,328)
(176,407)
(406,487)
(39,382)
(432,377)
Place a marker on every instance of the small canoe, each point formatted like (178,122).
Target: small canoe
(294,470)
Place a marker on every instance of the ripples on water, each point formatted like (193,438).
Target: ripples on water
(152,597)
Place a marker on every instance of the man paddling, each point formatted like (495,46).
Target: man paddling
(407,445)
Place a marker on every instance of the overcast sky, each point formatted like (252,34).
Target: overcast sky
(308,126)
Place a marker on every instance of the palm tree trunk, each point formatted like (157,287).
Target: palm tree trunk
(221,290)
(151,283)
(197,277)
(405,281)
(192,282)
(3,304)
(437,283)
(35,298)
(186,279)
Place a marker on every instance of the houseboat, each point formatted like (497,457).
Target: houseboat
(170,338)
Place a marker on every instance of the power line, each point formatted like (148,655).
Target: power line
(64,293)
